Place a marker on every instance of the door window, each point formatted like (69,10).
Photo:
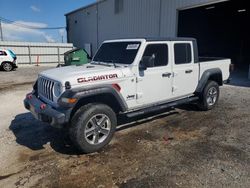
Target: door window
(182,53)
(158,54)
(3,53)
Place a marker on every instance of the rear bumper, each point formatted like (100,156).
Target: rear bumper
(55,117)
(15,63)
(228,81)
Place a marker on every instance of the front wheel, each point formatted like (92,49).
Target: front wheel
(92,127)
(7,66)
(210,96)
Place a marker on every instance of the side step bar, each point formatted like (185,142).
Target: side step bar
(161,107)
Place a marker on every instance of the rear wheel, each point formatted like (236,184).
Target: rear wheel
(93,127)
(210,96)
(7,66)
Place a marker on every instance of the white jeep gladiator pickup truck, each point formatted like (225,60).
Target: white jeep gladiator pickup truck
(130,77)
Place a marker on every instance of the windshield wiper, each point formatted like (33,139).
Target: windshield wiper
(105,62)
(98,62)
(112,61)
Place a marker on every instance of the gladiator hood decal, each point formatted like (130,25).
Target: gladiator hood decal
(97,78)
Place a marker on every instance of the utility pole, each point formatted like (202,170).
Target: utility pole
(1,30)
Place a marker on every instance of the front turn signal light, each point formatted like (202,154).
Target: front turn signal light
(69,100)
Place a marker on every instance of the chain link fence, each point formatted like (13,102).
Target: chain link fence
(41,53)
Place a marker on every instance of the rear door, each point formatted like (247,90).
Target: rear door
(155,83)
(185,71)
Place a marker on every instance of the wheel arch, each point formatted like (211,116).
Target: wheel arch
(105,95)
(105,98)
(211,74)
(5,62)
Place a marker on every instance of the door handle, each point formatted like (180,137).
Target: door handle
(167,74)
(188,71)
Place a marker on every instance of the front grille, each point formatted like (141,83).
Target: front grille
(45,88)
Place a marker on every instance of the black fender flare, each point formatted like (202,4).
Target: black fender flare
(216,72)
(90,91)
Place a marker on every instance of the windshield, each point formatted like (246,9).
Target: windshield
(117,52)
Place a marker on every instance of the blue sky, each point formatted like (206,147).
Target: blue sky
(37,13)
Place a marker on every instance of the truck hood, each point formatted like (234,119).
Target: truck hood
(86,74)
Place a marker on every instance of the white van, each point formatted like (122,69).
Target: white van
(7,60)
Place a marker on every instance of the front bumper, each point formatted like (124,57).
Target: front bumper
(45,112)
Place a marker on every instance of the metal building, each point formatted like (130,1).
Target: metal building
(220,26)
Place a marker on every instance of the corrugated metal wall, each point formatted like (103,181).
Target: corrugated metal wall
(82,27)
(139,18)
(27,52)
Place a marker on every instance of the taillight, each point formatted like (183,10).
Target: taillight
(231,68)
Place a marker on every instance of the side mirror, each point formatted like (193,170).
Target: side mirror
(142,66)
(147,61)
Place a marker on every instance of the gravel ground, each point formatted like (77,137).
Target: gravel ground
(181,148)
(25,74)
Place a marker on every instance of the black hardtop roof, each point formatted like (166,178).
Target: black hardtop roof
(152,39)
(171,39)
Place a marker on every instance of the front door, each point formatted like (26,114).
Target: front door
(155,83)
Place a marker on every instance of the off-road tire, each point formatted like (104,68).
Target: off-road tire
(210,90)
(81,119)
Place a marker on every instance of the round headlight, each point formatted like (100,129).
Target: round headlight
(57,89)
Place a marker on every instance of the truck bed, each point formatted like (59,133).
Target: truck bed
(223,64)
